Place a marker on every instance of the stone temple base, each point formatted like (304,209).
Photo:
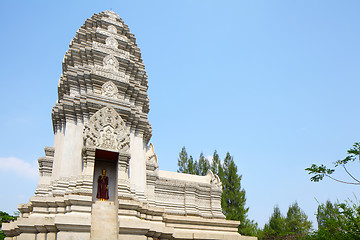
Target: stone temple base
(80,219)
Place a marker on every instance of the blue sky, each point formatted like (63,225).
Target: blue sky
(275,83)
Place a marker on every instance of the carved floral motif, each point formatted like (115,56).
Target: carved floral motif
(107,130)
(110,62)
(112,29)
(109,89)
(112,42)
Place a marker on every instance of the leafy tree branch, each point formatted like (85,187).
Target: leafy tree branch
(319,172)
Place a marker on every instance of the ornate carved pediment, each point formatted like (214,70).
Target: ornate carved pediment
(111,42)
(110,62)
(106,130)
(112,29)
(109,89)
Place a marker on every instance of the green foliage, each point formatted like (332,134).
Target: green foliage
(297,223)
(275,228)
(203,165)
(294,226)
(183,161)
(4,218)
(216,166)
(233,197)
(339,221)
(319,172)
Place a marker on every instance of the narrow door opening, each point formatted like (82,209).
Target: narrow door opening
(105,176)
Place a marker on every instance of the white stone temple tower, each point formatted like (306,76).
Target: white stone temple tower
(100,123)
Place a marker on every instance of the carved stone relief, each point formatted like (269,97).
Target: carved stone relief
(110,62)
(215,180)
(107,130)
(109,89)
(112,29)
(112,42)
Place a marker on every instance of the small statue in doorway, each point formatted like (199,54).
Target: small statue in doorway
(103,186)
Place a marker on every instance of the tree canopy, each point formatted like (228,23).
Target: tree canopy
(295,225)
(339,221)
(4,218)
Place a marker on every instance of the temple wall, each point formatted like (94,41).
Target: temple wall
(58,145)
(68,163)
(187,194)
(137,165)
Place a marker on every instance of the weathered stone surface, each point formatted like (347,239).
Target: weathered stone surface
(104,221)
(100,123)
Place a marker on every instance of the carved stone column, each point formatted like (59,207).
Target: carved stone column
(86,185)
(123,176)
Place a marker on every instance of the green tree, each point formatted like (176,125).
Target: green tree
(325,212)
(294,226)
(340,221)
(297,224)
(319,172)
(183,161)
(276,227)
(216,166)
(204,165)
(5,217)
(192,166)
(233,197)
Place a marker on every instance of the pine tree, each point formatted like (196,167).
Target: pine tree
(183,161)
(216,166)
(294,226)
(275,229)
(204,165)
(233,197)
(297,223)
(192,166)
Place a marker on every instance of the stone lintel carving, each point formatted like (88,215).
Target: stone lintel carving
(109,89)
(112,29)
(111,42)
(109,49)
(110,62)
(110,74)
(106,130)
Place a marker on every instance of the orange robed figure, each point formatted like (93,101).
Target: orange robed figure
(103,187)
